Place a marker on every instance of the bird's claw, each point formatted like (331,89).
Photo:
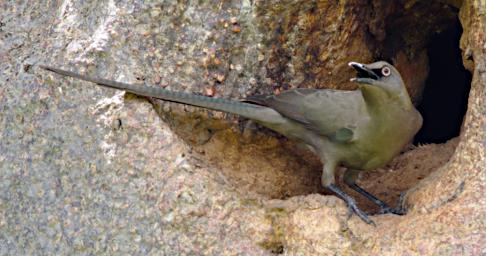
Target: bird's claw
(352,207)
(350,212)
(388,209)
(399,210)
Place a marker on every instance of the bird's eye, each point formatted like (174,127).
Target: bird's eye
(386,71)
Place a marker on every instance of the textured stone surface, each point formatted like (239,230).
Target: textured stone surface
(85,170)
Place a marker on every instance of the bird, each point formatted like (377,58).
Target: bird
(361,129)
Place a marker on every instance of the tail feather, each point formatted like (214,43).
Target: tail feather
(231,106)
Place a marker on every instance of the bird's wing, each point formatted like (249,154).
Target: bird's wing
(333,113)
(288,103)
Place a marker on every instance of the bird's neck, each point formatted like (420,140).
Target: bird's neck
(375,97)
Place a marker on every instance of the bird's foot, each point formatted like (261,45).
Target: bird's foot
(399,210)
(352,207)
(387,209)
(384,207)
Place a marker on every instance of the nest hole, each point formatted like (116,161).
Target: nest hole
(446,92)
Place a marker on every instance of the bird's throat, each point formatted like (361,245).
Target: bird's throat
(376,97)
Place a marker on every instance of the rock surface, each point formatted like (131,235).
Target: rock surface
(85,170)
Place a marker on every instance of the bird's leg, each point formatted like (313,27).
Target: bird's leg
(350,177)
(328,182)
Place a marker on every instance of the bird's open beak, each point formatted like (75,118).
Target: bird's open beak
(363,72)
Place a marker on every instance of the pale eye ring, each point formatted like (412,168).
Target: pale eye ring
(386,71)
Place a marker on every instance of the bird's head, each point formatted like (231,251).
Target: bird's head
(383,75)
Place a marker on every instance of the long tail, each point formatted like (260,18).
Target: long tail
(247,110)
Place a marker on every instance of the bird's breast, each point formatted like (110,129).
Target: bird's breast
(382,139)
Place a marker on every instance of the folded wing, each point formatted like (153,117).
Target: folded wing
(333,113)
